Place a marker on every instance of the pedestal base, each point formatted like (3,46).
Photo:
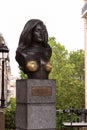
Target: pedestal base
(36,105)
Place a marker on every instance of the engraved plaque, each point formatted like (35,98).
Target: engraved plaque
(41,91)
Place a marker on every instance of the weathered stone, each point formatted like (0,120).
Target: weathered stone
(24,91)
(35,112)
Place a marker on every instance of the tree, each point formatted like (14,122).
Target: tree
(69,89)
(10,115)
(58,59)
(77,58)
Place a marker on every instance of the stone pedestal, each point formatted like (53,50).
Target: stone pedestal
(35,105)
(2,120)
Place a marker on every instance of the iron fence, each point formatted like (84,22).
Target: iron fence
(71,119)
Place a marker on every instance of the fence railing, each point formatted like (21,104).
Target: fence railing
(71,119)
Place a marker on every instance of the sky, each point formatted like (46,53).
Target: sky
(61,17)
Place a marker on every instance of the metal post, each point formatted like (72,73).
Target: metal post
(4,50)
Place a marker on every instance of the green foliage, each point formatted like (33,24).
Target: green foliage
(77,58)
(10,115)
(68,70)
(64,117)
(23,75)
(58,59)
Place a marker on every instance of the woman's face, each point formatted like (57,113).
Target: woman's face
(38,33)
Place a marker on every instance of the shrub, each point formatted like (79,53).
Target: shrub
(10,115)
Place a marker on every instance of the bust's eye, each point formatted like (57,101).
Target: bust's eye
(37,30)
(43,30)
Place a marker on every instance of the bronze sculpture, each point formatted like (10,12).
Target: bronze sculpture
(33,52)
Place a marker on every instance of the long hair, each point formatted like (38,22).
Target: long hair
(26,36)
(26,41)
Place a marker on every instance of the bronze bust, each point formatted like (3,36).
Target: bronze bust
(33,52)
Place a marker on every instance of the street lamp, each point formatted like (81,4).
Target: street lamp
(4,51)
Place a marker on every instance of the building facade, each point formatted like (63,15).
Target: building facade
(84,16)
(11,88)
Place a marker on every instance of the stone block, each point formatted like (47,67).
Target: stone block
(36,105)
(36,116)
(26,87)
